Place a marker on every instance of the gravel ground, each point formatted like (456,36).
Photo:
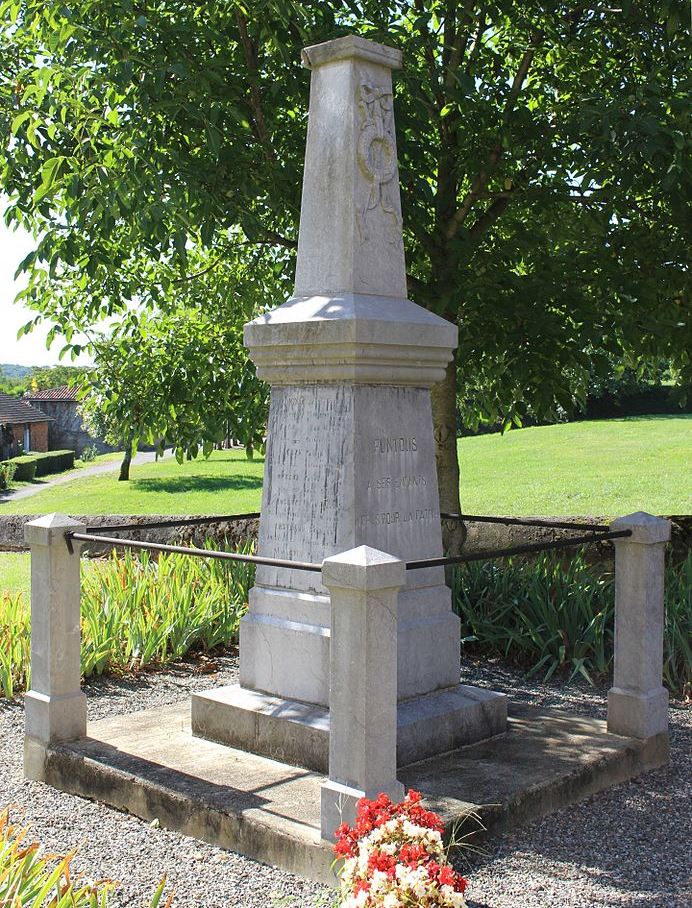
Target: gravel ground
(626,846)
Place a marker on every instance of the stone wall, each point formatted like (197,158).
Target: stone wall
(67,431)
(481,536)
(236,532)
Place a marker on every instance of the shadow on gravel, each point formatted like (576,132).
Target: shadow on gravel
(629,838)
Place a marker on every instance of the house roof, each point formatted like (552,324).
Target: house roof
(64,393)
(17,412)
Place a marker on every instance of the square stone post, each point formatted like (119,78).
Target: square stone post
(363,584)
(55,705)
(638,702)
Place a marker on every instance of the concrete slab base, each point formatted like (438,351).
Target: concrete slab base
(298,733)
(149,764)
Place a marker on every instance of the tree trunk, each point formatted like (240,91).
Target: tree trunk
(127,460)
(444,399)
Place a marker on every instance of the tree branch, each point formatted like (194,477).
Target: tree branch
(429,53)
(273,239)
(460,42)
(480,181)
(477,39)
(261,130)
(491,214)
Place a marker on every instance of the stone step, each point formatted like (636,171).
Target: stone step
(298,733)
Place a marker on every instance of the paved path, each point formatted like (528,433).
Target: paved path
(111,466)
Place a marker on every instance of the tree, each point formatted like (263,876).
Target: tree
(179,379)
(40,378)
(542,147)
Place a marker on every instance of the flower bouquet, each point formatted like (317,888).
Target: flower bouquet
(394,858)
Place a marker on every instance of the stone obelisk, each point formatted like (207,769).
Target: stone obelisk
(350,452)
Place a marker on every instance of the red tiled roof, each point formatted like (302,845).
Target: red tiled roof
(15,412)
(64,393)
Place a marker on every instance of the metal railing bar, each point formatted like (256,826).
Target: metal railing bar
(190,550)
(178,522)
(528,522)
(488,555)
(484,555)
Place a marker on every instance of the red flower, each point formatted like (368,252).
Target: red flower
(386,863)
(412,855)
(446,876)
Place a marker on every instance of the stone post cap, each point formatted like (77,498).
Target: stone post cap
(365,569)
(50,529)
(646,529)
(352,47)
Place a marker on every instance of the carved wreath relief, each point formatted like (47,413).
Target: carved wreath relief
(377,160)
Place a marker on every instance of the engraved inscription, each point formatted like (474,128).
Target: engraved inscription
(377,159)
(396,482)
(387,518)
(401,445)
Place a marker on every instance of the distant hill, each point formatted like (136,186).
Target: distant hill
(12,370)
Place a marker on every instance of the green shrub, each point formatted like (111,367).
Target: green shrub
(54,462)
(548,615)
(677,641)
(137,611)
(29,466)
(89,454)
(25,467)
(31,880)
(7,471)
(15,644)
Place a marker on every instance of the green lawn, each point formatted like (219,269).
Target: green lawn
(14,573)
(227,483)
(600,467)
(604,468)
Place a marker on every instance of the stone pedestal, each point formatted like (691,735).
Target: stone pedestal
(350,455)
(638,701)
(55,705)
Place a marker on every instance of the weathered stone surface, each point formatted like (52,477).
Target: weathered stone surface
(638,702)
(298,733)
(286,730)
(220,532)
(350,219)
(363,585)
(55,705)
(346,466)
(149,764)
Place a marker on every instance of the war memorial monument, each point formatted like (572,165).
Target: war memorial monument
(349,661)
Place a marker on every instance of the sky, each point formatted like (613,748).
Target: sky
(30,350)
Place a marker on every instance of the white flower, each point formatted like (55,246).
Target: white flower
(379,881)
(391,900)
(452,898)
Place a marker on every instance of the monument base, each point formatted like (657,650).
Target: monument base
(148,764)
(298,733)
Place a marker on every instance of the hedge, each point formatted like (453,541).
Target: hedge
(25,467)
(28,466)
(54,462)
